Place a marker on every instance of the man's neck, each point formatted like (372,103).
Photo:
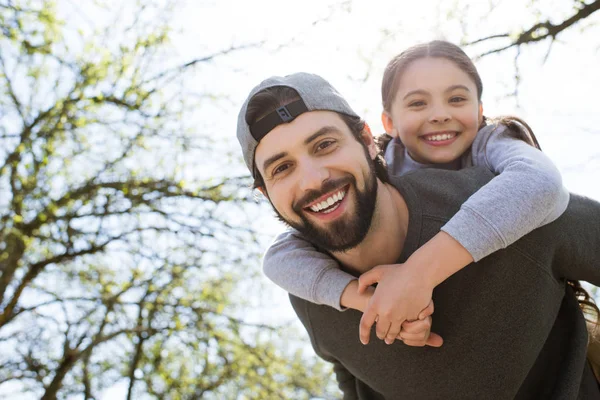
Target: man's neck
(385,240)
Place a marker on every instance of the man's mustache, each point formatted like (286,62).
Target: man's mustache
(327,186)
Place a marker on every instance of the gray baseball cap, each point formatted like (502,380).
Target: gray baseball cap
(315,94)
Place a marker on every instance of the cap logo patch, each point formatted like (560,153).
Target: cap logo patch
(284,114)
(277,117)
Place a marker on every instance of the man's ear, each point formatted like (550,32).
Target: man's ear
(388,124)
(263,191)
(367,138)
(480,115)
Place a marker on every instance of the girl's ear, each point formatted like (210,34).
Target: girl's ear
(367,138)
(388,124)
(480,116)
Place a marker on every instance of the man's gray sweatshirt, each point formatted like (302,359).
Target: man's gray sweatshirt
(511,325)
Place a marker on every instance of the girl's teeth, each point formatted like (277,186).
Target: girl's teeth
(444,136)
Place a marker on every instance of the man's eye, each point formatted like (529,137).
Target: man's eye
(324,144)
(457,99)
(417,103)
(280,169)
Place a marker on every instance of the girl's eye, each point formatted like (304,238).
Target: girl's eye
(280,169)
(417,103)
(457,99)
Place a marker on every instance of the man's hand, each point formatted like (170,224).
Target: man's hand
(418,333)
(402,294)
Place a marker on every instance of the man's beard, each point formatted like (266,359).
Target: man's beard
(346,232)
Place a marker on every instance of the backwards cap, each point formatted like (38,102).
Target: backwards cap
(315,94)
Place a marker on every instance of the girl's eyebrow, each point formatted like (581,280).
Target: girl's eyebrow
(424,92)
(418,91)
(451,88)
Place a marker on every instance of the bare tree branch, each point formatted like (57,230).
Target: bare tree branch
(540,31)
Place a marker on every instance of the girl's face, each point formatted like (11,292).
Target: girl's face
(435,112)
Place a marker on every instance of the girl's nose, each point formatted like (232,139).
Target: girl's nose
(439,115)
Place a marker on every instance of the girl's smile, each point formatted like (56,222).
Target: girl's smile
(441,138)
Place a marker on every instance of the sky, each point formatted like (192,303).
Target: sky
(350,42)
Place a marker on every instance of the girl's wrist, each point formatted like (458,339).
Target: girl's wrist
(350,297)
(441,257)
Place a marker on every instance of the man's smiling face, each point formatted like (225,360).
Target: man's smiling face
(320,179)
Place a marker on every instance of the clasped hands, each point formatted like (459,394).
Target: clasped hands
(401,306)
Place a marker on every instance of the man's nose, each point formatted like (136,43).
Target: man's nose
(312,176)
(439,114)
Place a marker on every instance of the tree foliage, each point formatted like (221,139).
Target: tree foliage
(113,269)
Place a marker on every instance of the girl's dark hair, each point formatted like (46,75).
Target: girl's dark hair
(589,308)
(265,101)
(517,128)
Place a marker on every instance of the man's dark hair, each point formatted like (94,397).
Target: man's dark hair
(268,100)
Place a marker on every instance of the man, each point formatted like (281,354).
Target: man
(512,326)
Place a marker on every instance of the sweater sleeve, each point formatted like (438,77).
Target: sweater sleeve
(526,193)
(297,266)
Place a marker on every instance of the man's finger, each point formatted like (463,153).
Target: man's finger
(414,343)
(416,326)
(427,311)
(434,340)
(366,322)
(369,278)
(420,336)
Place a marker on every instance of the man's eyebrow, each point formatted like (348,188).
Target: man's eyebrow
(273,159)
(323,131)
(424,92)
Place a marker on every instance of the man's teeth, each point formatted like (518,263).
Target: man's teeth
(444,136)
(331,200)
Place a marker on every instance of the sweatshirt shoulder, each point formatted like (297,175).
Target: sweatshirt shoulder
(442,192)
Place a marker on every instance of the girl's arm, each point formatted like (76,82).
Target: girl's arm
(526,193)
(298,267)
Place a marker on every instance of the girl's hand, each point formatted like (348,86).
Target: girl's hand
(402,294)
(404,290)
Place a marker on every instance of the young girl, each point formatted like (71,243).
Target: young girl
(433,112)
